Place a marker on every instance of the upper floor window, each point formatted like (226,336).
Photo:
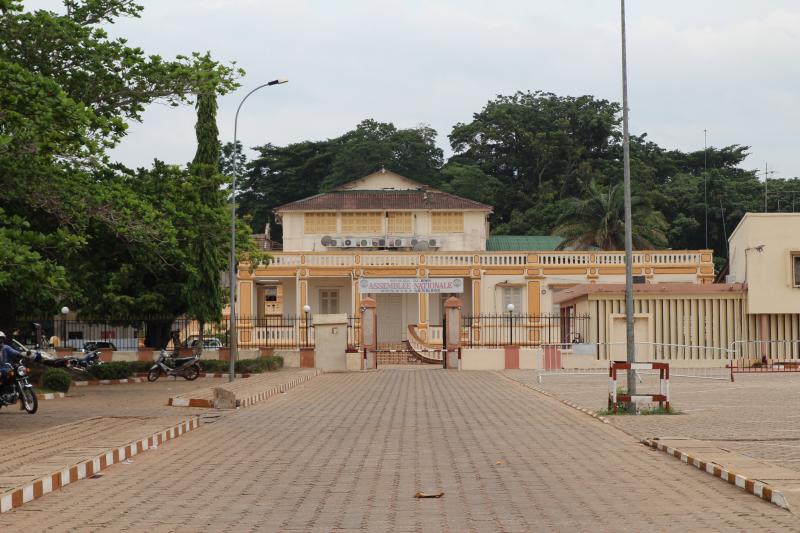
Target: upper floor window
(447,222)
(319,223)
(363,223)
(399,222)
(512,295)
(796,269)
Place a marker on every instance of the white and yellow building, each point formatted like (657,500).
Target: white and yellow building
(385,230)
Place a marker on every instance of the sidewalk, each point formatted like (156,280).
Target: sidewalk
(38,463)
(755,418)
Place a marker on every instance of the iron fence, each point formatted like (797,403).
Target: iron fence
(131,334)
(492,331)
(353,332)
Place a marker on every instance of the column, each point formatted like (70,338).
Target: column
(422,323)
(452,309)
(369,332)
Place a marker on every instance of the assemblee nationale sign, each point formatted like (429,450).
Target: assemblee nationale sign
(410,285)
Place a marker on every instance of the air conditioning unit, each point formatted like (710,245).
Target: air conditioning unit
(730,278)
(330,242)
(364,243)
(348,242)
(639,279)
(434,243)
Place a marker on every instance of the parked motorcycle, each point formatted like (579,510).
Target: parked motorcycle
(16,386)
(185,367)
(83,363)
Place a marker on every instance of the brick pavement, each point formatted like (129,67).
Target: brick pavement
(135,399)
(349,451)
(757,415)
(245,389)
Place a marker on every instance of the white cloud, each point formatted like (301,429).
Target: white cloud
(724,65)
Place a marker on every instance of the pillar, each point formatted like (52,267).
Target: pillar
(452,310)
(369,332)
(422,323)
(764,337)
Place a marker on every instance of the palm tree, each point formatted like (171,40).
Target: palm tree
(597,220)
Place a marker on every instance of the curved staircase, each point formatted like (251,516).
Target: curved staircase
(425,352)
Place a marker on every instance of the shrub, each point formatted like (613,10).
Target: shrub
(56,379)
(140,366)
(112,370)
(214,366)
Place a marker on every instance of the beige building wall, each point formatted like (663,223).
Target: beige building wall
(473,238)
(768,273)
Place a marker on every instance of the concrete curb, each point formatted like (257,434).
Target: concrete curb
(255,398)
(177,401)
(203,375)
(93,382)
(16,497)
(50,396)
(575,406)
(753,486)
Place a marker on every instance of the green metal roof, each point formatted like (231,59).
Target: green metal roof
(522,243)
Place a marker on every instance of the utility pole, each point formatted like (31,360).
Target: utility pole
(767,172)
(705,179)
(626,162)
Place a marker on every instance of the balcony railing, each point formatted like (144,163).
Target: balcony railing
(484,259)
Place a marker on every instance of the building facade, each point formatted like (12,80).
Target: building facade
(410,247)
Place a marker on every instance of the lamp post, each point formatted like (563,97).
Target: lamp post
(64,313)
(306,310)
(232,260)
(510,309)
(626,164)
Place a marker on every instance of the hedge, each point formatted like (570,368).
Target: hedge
(56,379)
(112,370)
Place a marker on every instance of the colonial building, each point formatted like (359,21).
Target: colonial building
(410,247)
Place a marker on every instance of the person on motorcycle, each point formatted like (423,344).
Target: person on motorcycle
(9,355)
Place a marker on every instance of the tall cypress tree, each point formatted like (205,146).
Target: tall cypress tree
(203,290)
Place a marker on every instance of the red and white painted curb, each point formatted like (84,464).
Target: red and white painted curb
(44,485)
(42,396)
(177,401)
(107,382)
(753,486)
(250,400)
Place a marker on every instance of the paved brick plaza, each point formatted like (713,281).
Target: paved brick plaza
(757,415)
(348,452)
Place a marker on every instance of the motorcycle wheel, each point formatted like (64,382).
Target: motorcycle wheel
(153,374)
(192,372)
(29,401)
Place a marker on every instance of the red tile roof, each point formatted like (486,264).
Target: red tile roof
(352,200)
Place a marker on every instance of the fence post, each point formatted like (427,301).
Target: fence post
(452,334)
(369,332)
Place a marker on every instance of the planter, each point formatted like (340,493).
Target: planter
(106,354)
(266,351)
(145,354)
(185,352)
(65,351)
(224,354)
(307,359)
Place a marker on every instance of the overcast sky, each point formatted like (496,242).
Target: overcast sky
(728,66)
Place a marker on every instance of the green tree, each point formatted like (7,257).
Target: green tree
(207,251)
(597,220)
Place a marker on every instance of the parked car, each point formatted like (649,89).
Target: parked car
(209,343)
(90,346)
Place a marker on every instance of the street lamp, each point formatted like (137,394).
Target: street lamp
(64,313)
(306,310)
(510,309)
(232,260)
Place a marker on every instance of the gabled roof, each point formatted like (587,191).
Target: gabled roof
(522,243)
(357,200)
(409,194)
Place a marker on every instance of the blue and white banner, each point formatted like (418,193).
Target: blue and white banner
(410,285)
